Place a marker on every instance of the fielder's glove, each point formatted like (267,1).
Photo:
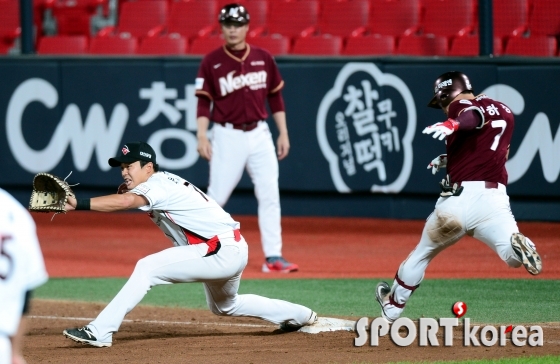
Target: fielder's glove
(442,129)
(438,163)
(50,193)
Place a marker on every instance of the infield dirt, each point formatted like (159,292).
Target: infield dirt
(108,245)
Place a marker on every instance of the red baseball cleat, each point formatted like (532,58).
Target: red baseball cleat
(278,264)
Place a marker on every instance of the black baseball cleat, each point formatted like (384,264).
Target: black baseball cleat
(527,253)
(382,290)
(85,336)
(288,327)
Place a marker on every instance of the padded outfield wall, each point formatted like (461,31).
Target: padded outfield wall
(355,128)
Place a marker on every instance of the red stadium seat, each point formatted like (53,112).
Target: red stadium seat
(205,45)
(342,17)
(374,44)
(113,45)
(510,17)
(292,18)
(449,18)
(538,46)
(63,44)
(163,45)
(468,45)
(196,18)
(9,24)
(276,44)
(320,45)
(140,18)
(545,18)
(426,45)
(74,16)
(394,17)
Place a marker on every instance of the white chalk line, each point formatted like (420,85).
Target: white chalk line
(153,321)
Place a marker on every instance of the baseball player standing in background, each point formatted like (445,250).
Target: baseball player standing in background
(473,200)
(208,248)
(22,269)
(232,85)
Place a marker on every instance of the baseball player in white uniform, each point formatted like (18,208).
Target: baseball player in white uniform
(473,200)
(22,269)
(208,247)
(233,85)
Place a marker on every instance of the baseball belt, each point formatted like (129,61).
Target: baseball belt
(245,126)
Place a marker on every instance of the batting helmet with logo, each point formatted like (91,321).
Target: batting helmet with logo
(447,87)
(234,13)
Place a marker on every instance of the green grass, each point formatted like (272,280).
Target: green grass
(488,301)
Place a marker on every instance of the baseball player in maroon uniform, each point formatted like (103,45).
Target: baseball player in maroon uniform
(232,85)
(473,199)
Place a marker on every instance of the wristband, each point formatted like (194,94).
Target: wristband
(83,204)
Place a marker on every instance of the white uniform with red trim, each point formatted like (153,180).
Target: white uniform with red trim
(22,267)
(208,248)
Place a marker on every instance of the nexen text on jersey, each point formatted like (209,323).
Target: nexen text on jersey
(254,80)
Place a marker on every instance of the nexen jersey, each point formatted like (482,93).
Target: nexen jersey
(238,87)
(183,212)
(480,154)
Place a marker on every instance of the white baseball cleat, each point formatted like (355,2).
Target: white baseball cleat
(527,253)
(85,336)
(382,291)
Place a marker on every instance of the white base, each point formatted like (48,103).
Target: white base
(325,324)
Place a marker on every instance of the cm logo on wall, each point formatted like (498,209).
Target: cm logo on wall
(365,128)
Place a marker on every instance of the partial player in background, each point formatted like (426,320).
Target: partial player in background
(473,200)
(22,269)
(232,85)
(208,248)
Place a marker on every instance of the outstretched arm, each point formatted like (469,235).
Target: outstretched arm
(109,203)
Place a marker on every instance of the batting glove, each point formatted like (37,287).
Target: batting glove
(437,163)
(443,129)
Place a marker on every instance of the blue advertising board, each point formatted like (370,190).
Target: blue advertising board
(355,127)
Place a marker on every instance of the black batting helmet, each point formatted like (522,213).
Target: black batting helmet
(234,13)
(447,87)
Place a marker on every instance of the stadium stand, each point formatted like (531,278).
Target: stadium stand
(276,44)
(538,46)
(63,44)
(540,37)
(77,16)
(172,44)
(9,25)
(468,45)
(373,44)
(202,46)
(113,45)
(394,17)
(326,45)
(139,19)
(292,18)
(365,27)
(343,17)
(425,45)
(192,19)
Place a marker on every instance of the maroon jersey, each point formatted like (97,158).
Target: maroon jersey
(480,154)
(238,87)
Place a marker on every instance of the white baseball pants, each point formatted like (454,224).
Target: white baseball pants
(234,150)
(220,273)
(5,350)
(481,212)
